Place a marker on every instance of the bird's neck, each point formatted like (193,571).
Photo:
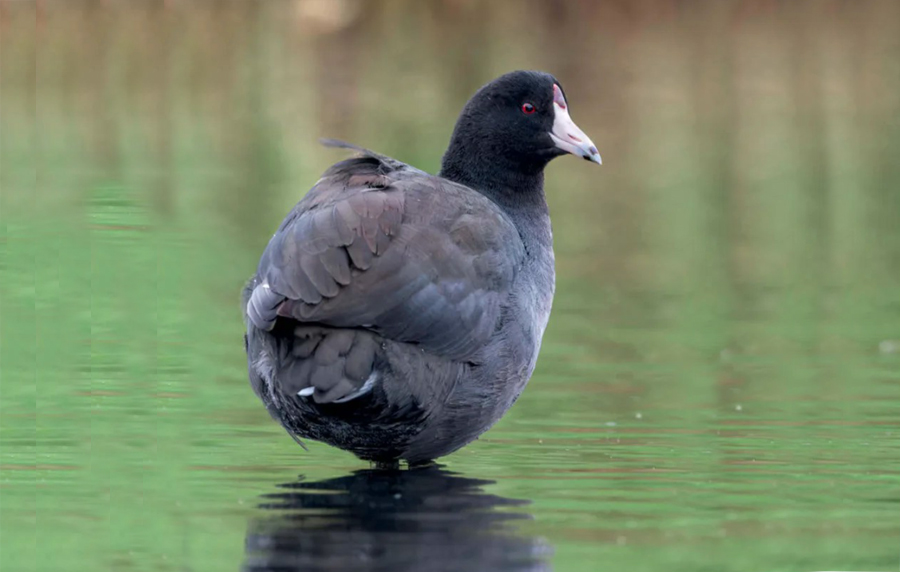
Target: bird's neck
(518,192)
(516,188)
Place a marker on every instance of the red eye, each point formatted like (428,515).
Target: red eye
(527,108)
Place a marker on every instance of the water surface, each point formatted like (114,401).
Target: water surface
(719,386)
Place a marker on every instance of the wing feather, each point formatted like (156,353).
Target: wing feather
(379,245)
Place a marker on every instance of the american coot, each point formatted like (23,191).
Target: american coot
(397,314)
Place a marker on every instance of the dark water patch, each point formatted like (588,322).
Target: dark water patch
(421,519)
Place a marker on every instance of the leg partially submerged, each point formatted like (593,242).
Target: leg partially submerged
(386,465)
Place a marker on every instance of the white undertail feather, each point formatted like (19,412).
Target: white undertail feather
(366,388)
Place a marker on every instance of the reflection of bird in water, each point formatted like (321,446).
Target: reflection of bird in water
(424,519)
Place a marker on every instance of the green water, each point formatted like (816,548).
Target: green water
(719,385)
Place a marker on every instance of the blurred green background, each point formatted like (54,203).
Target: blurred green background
(719,386)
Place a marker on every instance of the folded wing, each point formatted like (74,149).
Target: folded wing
(381,246)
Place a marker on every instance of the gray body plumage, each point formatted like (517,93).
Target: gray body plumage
(396,314)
